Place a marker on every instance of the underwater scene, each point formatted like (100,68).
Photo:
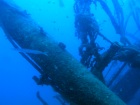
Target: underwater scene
(69,52)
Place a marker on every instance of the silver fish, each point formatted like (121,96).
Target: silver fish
(30,51)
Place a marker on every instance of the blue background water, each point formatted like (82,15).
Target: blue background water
(16,84)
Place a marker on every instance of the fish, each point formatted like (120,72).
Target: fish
(62,45)
(61,3)
(41,99)
(60,99)
(30,51)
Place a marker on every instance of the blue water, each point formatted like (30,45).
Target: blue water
(57,19)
